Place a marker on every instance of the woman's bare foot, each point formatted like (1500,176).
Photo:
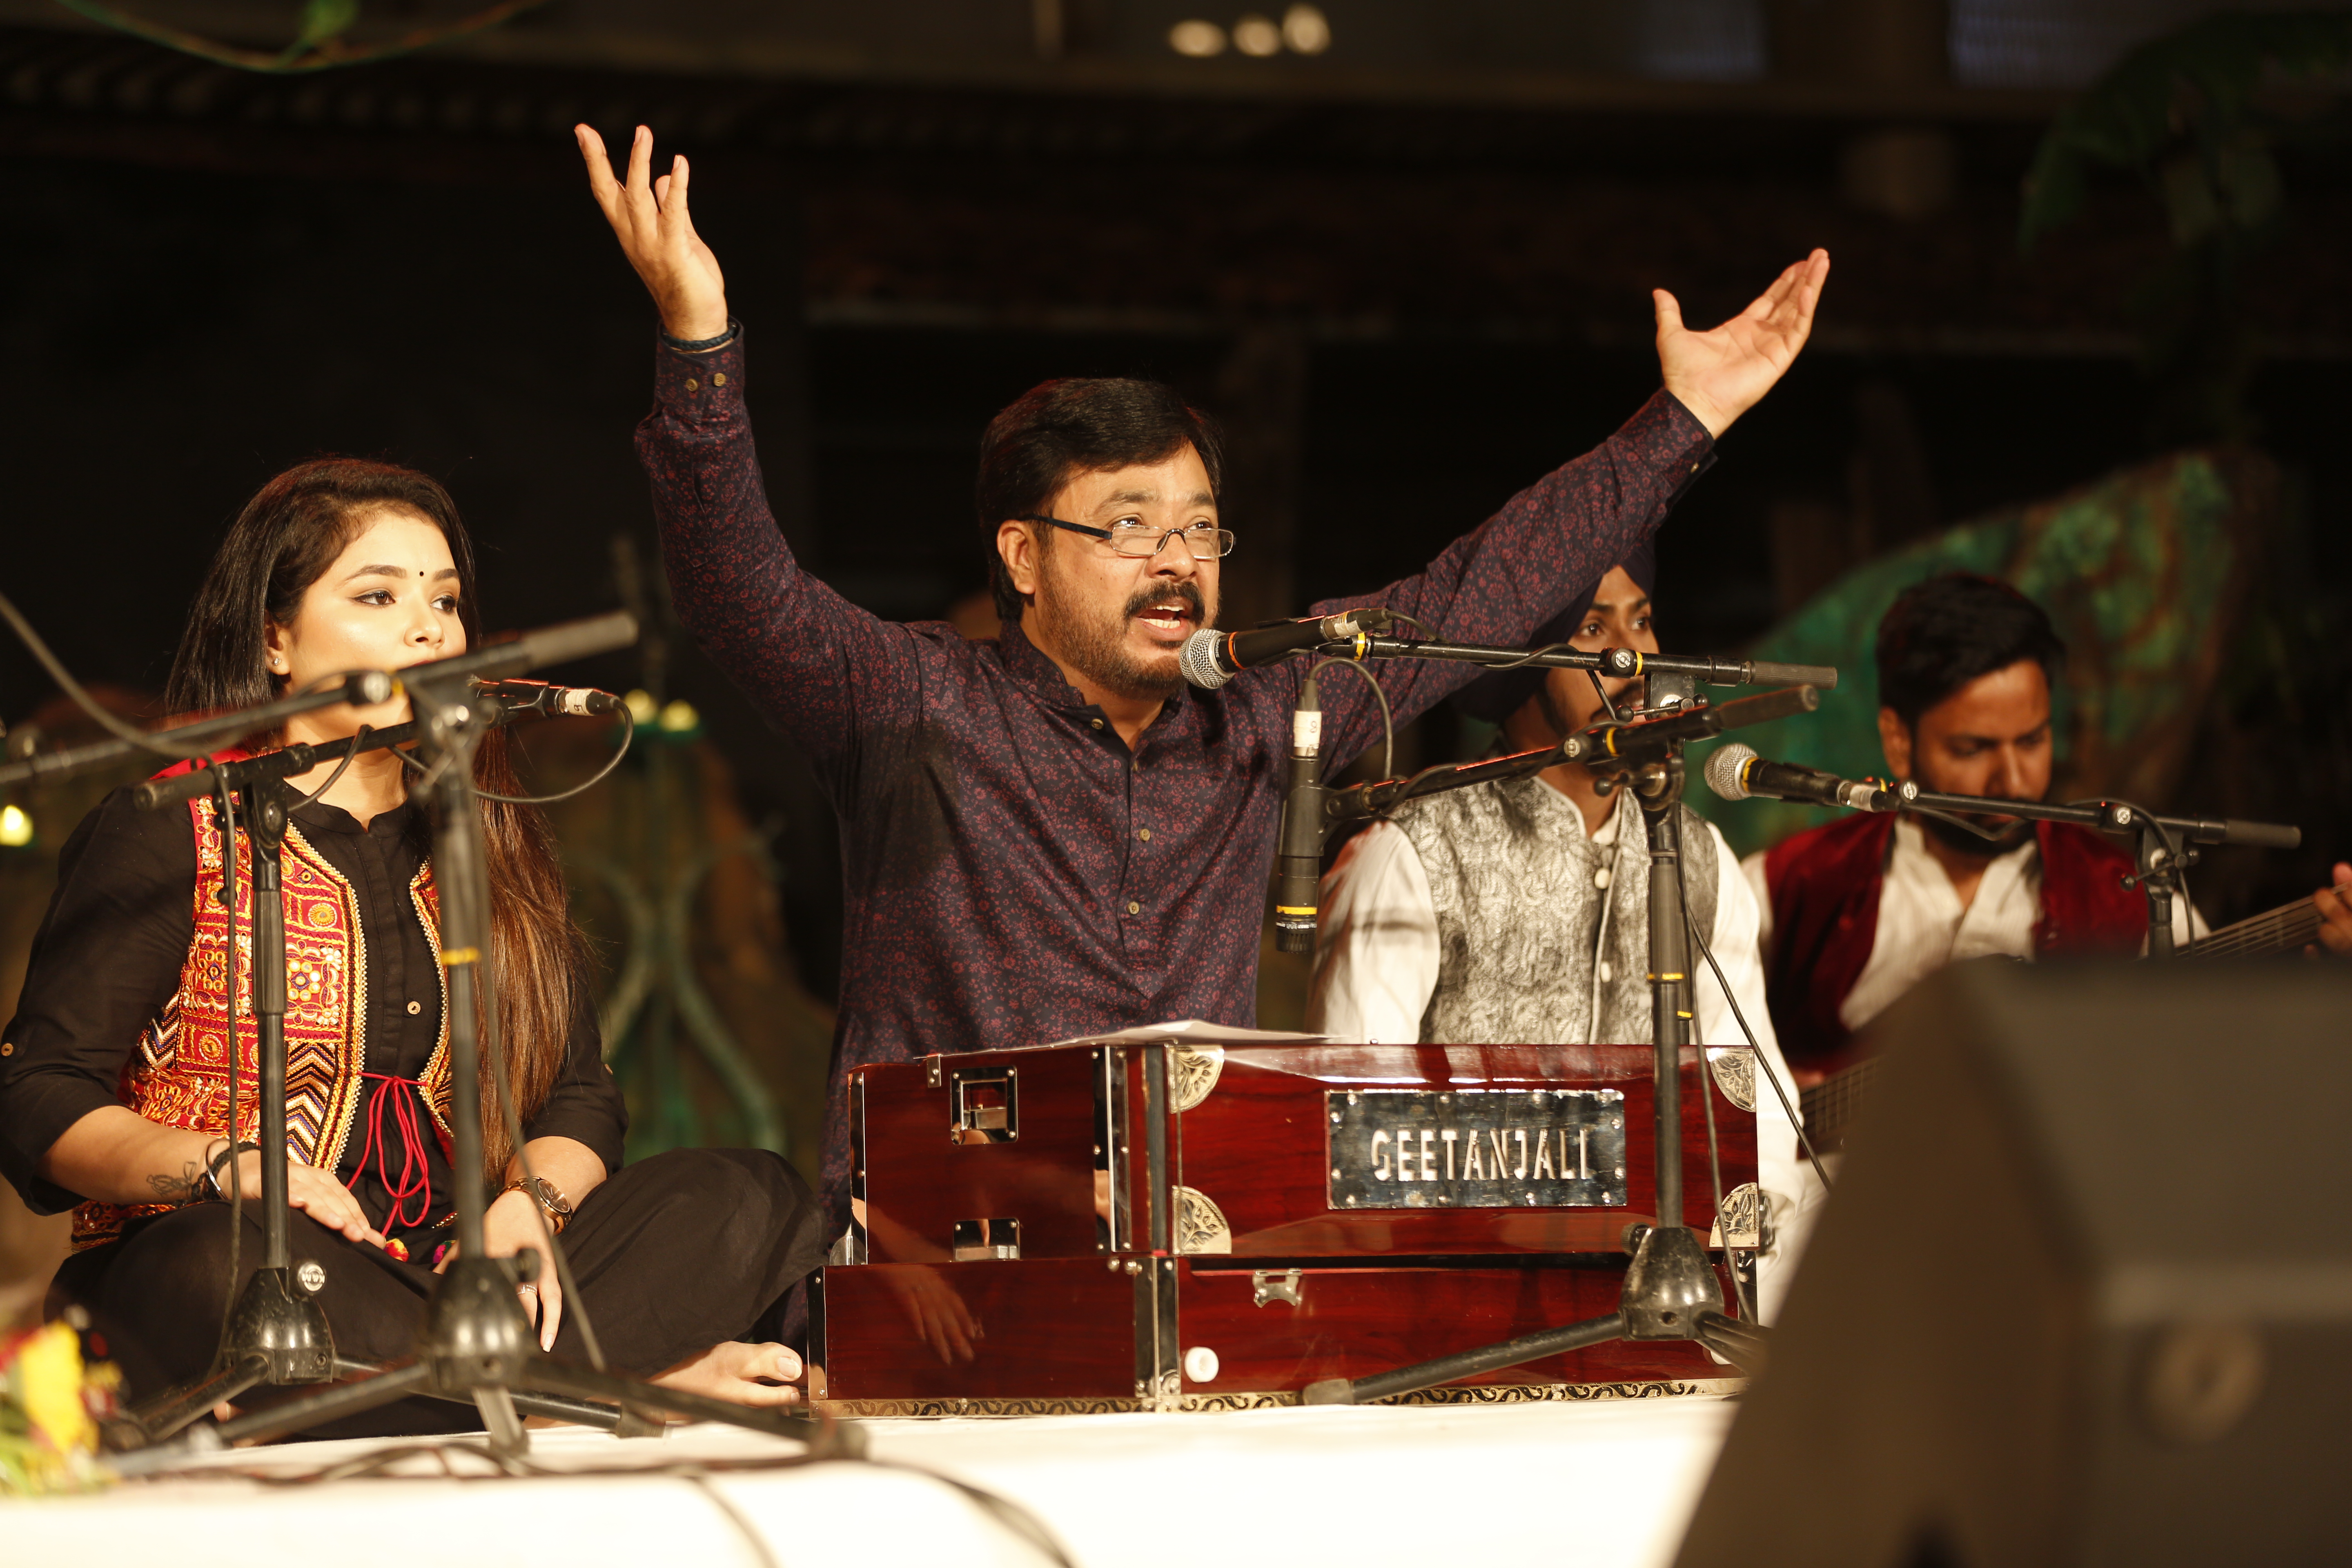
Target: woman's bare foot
(740,1374)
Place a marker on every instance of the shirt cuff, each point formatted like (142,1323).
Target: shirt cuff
(704,387)
(1670,441)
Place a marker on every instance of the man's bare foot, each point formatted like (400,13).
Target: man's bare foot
(740,1374)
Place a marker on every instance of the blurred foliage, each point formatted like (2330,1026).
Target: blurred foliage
(2144,572)
(321,39)
(2199,119)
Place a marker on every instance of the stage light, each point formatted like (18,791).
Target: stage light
(1256,36)
(15,827)
(641,706)
(1306,30)
(679,717)
(1197,39)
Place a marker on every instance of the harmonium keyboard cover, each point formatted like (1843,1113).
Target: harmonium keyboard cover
(1182,1221)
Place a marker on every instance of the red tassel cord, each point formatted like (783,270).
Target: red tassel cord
(416,1179)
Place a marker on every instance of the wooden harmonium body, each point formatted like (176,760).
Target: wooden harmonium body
(1156,1223)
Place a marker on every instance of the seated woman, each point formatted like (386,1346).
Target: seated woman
(114,1076)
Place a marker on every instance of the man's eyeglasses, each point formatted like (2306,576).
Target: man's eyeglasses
(1142,541)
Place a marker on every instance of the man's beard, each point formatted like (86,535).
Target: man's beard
(1952,835)
(1097,644)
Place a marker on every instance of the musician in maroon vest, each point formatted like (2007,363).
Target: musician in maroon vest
(1857,911)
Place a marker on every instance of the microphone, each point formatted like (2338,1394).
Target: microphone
(1210,657)
(1603,744)
(1737,773)
(1298,854)
(554,701)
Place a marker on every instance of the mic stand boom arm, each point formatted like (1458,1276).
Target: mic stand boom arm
(1603,747)
(2164,846)
(1615,662)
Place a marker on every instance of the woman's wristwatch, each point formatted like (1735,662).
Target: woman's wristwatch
(211,1188)
(547,1197)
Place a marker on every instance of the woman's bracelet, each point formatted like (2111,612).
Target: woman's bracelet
(216,1162)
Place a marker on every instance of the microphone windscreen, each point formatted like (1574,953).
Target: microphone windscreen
(1723,765)
(1198,659)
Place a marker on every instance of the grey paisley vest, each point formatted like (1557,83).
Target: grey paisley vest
(1542,934)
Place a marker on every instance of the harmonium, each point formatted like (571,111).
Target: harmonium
(1198,1218)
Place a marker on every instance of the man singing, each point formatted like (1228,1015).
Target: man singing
(1048,835)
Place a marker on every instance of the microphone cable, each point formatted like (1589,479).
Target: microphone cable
(1388,720)
(1762,1064)
(628,735)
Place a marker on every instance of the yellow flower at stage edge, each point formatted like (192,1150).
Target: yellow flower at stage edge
(47,1380)
(48,1438)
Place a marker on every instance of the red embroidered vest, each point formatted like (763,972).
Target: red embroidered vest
(1824,885)
(179,1075)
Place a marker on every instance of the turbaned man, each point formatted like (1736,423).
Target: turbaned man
(1049,835)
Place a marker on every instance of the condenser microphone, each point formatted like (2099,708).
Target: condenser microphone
(1736,772)
(1210,657)
(1298,852)
(554,701)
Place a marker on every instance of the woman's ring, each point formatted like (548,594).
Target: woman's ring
(532,1288)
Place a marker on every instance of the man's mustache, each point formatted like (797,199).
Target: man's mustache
(1144,599)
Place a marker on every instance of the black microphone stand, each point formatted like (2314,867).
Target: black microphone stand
(477,1346)
(1671,1290)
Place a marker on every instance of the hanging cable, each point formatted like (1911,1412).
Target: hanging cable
(1388,720)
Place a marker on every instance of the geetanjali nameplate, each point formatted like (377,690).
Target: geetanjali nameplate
(1477,1148)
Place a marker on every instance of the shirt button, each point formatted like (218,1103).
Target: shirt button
(691,383)
(414,1008)
(1144,834)
(1607,974)
(1600,878)
(1093,723)
(1134,908)
(719,380)
(6,1049)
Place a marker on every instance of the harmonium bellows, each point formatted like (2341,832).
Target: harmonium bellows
(1177,1222)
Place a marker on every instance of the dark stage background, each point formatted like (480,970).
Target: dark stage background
(1412,282)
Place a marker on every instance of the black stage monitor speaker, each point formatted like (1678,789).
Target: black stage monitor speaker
(2083,1294)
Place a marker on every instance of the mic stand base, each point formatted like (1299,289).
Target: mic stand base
(1670,1293)
(477,1349)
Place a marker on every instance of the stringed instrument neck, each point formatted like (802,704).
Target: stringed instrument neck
(1831,1106)
(2282,929)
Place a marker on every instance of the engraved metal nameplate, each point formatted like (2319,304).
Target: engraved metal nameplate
(1477,1148)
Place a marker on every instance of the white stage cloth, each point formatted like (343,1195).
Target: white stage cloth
(1598,1484)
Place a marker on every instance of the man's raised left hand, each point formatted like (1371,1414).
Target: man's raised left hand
(1719,375)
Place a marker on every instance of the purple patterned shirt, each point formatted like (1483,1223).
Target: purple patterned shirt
(1013,873)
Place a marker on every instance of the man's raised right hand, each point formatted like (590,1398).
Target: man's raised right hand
(657,236)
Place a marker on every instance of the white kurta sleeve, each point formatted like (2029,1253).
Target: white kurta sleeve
(1753,869)
(1791,1191)
(1376,942)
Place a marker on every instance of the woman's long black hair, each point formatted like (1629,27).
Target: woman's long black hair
(281,543)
